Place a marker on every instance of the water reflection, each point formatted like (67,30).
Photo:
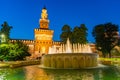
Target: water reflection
(36,73)
(11,74)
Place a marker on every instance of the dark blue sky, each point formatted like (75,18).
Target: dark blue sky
(24,15)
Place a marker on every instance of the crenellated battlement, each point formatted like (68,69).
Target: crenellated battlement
(24,41)
(56,43)
(43,30)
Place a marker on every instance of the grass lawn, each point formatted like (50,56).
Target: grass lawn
(18,63)
(4,64)
(110,61)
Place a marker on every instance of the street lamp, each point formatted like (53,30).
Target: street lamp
(2,38)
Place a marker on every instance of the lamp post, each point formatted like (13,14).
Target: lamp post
(2,38)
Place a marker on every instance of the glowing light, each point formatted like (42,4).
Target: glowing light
(2,35)
(2,38)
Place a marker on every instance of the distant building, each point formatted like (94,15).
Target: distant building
(43,38)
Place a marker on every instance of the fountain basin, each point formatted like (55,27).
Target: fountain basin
(72,60)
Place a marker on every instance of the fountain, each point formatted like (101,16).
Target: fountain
(69,48)
(69,55)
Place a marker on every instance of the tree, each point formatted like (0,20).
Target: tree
(115,51)
(4,50)
(66,33)
(6,30)
(80,34)
(84,33)
(19,50)
(13,51)
(77,35)
(106,37)
(119,41)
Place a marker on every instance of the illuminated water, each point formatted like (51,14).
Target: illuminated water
(70,48)
(36,73)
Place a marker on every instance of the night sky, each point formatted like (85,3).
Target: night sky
(24,15)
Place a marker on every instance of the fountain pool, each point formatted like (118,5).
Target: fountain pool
(70,56)
(72,60)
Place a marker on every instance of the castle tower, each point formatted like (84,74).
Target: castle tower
(44,22)
(43,36)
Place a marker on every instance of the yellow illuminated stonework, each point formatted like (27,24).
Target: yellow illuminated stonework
(44,14)
(43,36)
(43,40)
(44,22)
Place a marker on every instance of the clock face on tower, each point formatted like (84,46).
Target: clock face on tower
(44,25)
